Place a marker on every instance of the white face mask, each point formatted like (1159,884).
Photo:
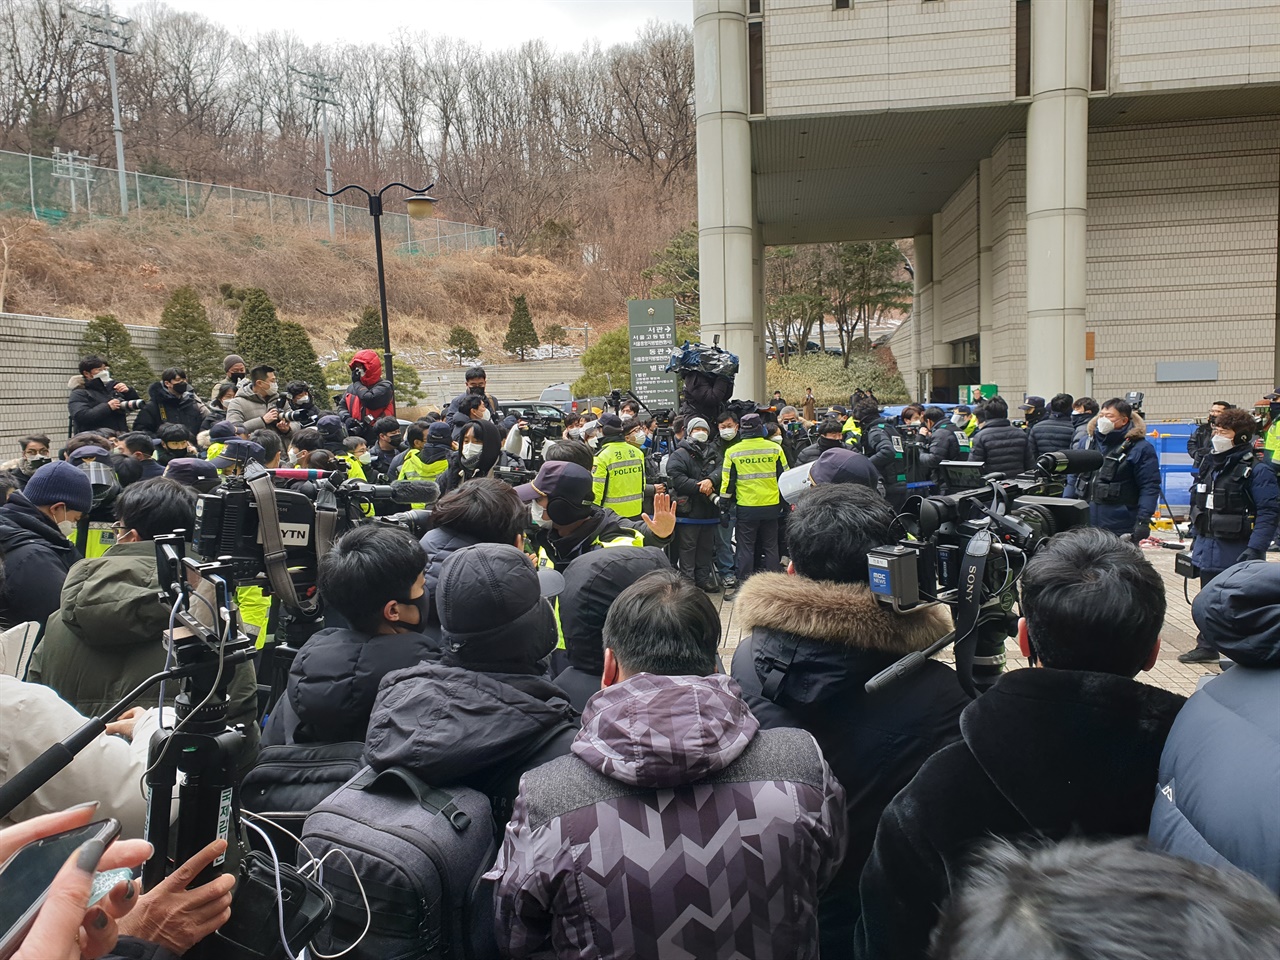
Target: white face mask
(539,516)
(728,434)
(1105,426)
(301,401)
(1222,444)
(66,527)
(637,438)
(593,442)
(485,414)
(273,389)
(472,451)
(104,374)
(295,455)
(959,419)
(699,436)
(365,457)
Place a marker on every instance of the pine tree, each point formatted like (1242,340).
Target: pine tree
(258,337)
(187,340)
(554,335)
(299,362)
(107,337)
(462,343)
(521,334)
(367,333)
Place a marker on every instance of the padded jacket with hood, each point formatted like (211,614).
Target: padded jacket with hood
(88,405)
(1053,434)
(677,829)
(691,463)
(1141,466)
(1002,448)
(36,558)
(371,396)
(1218,797)
(163,407)
(247,408)
(108,637)
(1045,753)
(333,684)
(836,637)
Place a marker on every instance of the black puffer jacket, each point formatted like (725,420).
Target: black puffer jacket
(163,407)
(874,743)
(440,544)
(816,449)
(36,558)
(690,464)
(1002,447)
(705,395)
(88,405)
(1052,434)
(943,445)
(334,681)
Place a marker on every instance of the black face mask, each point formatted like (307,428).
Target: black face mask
(235,378)
(1079,418)
(423,603)
(164,454)
(476,391)
(179,389)
(828,443)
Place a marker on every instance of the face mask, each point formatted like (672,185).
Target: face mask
(273,390)
(539,516)
(66,527)
(421,605)
(485,414)
(728,434)
(1105,426)
(593,442)
(638,439)
(36,462)
(358,372)
(104,375)
(302,401)
(1222,444)
(365,457)
(959,419)
(828,443)
(179,388)
(699,436)
(295,455)
(476,391)
(1274,409)
(472,451)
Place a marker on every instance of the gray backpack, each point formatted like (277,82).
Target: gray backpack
(420,853)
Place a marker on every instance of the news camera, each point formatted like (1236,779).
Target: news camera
(967,550)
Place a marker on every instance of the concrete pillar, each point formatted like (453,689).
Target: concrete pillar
(1057,167)
(727,239)
(986,298)
(921,317)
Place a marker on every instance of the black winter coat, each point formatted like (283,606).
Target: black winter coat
(87,405)
(36,559)
(440,544)
(163,407)
(943,445)
(816,449)
(1051,753)
(705,395)
(874,743)
(1002,447)
(690,464)
(334,681)
(602,524)
(882,444)
(1053,434)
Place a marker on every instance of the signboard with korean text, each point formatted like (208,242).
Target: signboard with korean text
(652,328)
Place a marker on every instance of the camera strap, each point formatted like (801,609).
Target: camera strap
(970,606)
(273,548)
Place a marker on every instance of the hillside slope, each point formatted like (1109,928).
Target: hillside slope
(129,268)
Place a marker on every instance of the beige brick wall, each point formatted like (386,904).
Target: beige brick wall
(1008,265)
(886,54)
(1163,44)
(45,352)
(956,312)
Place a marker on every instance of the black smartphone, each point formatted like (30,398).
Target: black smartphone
(26,876)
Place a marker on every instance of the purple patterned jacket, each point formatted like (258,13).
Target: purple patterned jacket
(678,829)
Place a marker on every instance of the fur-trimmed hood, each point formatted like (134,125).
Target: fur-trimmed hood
(1137,426)
(842,614)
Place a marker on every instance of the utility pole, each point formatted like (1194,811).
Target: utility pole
(72,167)
(318,88)
(114,35)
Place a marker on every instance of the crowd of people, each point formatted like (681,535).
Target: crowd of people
(551,642)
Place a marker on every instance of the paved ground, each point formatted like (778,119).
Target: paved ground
(1178,636)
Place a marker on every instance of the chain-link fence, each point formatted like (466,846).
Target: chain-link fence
(61,191)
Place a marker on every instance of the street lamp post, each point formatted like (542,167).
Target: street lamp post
(419,206)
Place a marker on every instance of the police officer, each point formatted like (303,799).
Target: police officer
(749,477)
(966,425)
(881,443)
(1235,504)
(618,472)
(1124,491)
(1271,436)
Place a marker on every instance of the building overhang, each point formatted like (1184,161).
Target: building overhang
(823,178)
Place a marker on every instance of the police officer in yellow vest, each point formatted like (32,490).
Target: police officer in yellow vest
(1271,436)
(750,478)
(428,453)
(567,523)
(619,470)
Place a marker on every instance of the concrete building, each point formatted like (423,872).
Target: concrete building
(1093,186)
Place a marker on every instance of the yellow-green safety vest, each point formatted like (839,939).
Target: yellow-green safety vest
(1271,442)
(636,539)
(618,478)
(755,463)
(255,609)
(355,471)
(850,430)
(414,468)
(214,451)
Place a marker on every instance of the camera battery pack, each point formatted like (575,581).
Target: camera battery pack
(894,575)
(1184,566)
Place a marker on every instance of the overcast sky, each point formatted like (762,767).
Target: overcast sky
(494,24)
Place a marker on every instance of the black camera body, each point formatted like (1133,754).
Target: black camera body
(303,416)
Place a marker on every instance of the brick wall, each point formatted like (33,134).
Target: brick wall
(44,353)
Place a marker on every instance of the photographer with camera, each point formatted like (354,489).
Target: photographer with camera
(300,407)
(171,400)
(1068,747)
(812,638)
(1123,493)
(35,454)
(255,403)
(373,577)
(109,633)
(368,398)
(97,401)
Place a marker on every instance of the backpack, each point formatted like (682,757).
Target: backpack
(291,780)
(421,853)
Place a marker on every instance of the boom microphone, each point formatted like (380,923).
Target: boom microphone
(1069,461)
(415,491)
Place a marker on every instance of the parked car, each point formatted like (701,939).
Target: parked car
(561,395)
(524,409)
